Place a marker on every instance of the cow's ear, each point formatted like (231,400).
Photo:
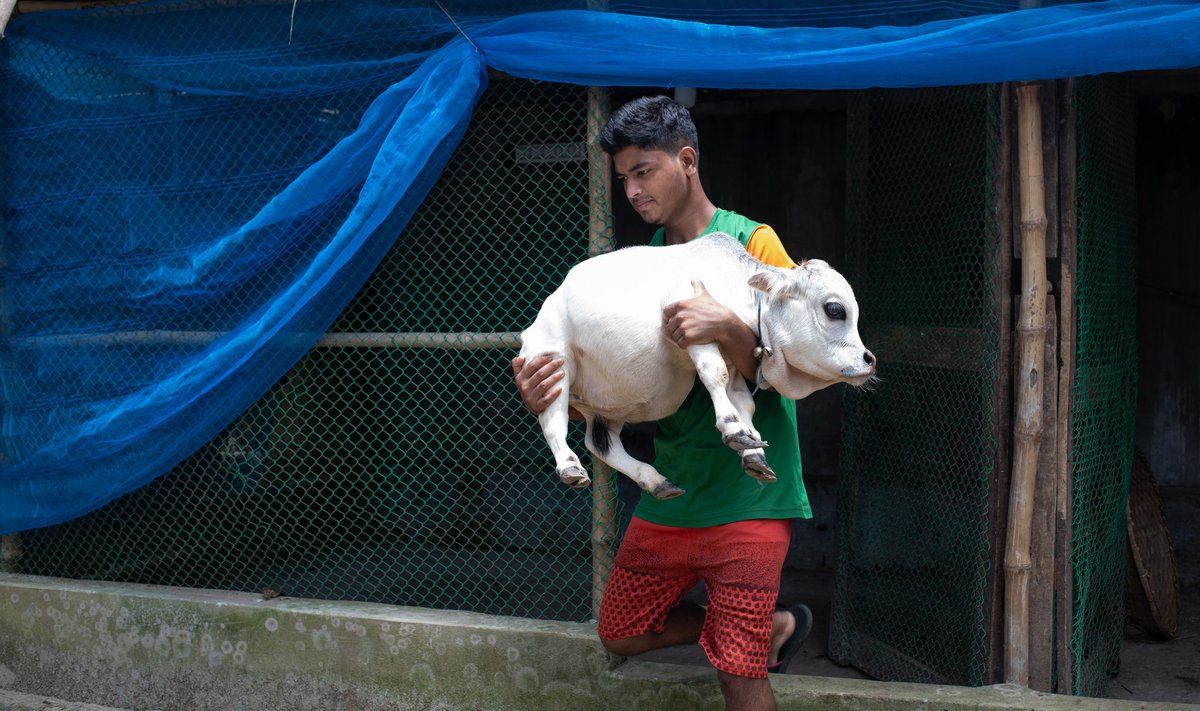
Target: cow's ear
(776,282)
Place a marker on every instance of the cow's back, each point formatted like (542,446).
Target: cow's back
(606,321)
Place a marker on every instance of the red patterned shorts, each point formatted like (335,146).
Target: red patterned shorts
(740,565)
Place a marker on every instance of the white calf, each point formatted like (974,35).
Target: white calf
(605,322)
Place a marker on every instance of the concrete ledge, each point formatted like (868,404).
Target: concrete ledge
(146,647)
(17,701)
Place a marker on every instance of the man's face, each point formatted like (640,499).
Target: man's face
(656,182)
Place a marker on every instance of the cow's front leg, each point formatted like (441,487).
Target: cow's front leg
(710,366)
(754,461)
(603,440)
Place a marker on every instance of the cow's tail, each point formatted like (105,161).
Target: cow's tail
(598,429)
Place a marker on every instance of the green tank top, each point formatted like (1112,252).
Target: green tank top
(689,450)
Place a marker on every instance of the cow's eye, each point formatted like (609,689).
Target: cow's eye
(835,311)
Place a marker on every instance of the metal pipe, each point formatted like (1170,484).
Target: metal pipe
(460,340)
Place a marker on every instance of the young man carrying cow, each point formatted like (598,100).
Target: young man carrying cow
(729,530)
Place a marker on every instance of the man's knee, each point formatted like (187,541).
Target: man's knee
(628,647)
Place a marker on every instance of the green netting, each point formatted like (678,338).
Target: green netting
(919,449)
(1104,394)
(395,463)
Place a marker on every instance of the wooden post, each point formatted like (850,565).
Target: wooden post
(1000,426)
(1027,426)
(10,553)
(10,543)
(604,511)
(1064,568)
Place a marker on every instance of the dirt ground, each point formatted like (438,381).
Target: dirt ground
(1152,669)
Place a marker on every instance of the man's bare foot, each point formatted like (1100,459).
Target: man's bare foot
(783,624)
(789,629)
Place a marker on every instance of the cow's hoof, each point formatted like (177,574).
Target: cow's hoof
(757,467)
(666,490)
(743,440)
(574,477)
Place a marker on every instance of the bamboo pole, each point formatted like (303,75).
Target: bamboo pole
(1042,583)
(1042,542)
(1027,426)
(604,513)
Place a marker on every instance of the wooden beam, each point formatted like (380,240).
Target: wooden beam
(1064,565)
(1000,427)
(930,346)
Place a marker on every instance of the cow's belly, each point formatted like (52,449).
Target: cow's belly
(642,391)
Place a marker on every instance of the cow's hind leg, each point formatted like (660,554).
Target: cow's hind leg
(603,440)
(710,366)
(554,420)
(754,461)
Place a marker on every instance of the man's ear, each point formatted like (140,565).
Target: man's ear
(776,282)
(688,159)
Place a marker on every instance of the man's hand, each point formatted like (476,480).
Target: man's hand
(702,319)
(537,381)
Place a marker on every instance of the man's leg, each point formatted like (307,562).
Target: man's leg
(743,694)
(740,564)
(683,626)
(643,606)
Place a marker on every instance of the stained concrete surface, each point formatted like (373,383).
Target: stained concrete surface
(1152,669)
(147,647)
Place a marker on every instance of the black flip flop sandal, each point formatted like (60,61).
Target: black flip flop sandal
(804,623)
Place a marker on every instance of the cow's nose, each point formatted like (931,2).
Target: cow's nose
(869,357)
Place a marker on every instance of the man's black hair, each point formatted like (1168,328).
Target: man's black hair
(650,123)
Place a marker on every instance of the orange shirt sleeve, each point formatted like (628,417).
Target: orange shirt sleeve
(766,247)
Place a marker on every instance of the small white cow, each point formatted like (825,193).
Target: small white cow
(605,322)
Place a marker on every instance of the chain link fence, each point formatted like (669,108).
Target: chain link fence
(395,462)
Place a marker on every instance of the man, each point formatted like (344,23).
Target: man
(728,530)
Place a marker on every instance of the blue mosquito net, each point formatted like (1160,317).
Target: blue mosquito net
(192,191)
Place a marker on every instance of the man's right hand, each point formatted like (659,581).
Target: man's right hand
(538,380)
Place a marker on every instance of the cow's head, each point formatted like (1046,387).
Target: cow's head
(810,324)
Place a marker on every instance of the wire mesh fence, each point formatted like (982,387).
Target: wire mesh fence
(920,449)
(1104,392)
(395,462)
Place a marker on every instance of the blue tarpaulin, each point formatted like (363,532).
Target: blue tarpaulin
(152,186)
